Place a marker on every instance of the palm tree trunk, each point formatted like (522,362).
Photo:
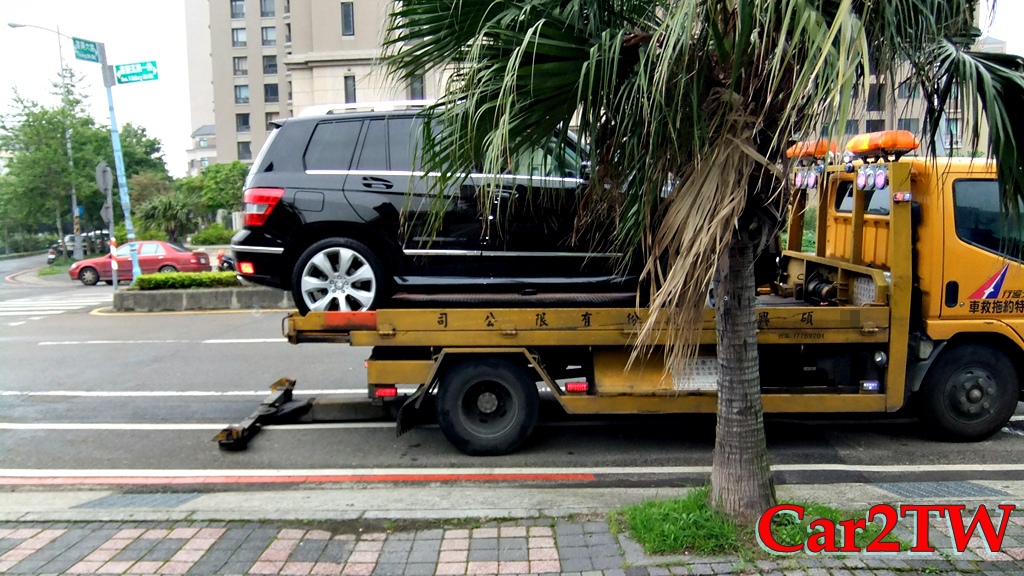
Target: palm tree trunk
(741,477)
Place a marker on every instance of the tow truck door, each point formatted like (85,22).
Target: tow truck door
(981,279)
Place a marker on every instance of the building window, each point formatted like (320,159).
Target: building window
(242,94)
(350,89)
(202,143)
(270,64)
(913,125)
(238,8)
(876,100)
(416,87)
(270,93)
(874,125)
(267,8)
(348,19)
(271,117)
(287,6)
(954,140)
(242,123)
(204,162)
(908,90)
(245,150)
(269,34)
(852,127)
(287,33)
(238,37)
(241,65)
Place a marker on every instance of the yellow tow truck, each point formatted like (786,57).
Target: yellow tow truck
(914,294)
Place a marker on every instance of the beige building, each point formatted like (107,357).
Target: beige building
(204,149)
(270,59)
(879,110)
(200,82)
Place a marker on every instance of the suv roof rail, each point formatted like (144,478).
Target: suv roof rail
(383,106)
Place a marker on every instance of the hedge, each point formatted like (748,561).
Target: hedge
(181,280)
(214,234)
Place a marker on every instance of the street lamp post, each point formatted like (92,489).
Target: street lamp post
(67,139)
(108,81)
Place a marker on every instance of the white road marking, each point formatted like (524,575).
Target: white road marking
(53,304)
(610,470)
(167,393)
(130,342)
(109,342)
(244,340)
(15,323)
(1017,418)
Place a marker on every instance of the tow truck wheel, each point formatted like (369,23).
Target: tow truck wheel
(487,407)
(969,393)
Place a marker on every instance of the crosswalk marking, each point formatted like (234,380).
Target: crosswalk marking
(38,307)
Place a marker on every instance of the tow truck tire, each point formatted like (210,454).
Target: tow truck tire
(488,406)
(970,392)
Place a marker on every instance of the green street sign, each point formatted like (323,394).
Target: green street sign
(86,50)
(137,72)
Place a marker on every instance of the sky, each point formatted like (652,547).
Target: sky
(142,30)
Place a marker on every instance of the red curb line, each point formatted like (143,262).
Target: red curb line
(147,480)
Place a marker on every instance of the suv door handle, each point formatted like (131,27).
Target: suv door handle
(376,183)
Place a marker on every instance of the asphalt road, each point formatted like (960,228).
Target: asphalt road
(81,391)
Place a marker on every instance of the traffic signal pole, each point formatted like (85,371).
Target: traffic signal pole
(122,181)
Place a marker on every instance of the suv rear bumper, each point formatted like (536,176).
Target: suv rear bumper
(269,267)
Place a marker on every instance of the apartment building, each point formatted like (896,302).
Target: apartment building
(270,59)
(880,109)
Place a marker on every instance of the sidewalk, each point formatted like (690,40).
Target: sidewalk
(413,542)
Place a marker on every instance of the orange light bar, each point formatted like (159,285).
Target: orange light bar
(883,143)
(812,148)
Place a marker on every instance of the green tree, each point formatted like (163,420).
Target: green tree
(34,137)
(687,106)
(222,186)
(174,214)
(146,186)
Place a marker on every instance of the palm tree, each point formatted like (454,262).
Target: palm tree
(687,106)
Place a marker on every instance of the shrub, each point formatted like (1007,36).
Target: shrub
(182,280)
(213,234)
(141,233)
(23,242)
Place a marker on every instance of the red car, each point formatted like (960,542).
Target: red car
(154,256)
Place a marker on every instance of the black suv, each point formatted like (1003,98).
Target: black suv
(336,211)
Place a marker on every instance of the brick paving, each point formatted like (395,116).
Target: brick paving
(536,546)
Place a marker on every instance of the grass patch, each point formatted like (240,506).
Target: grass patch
(60,266)
(681,525)
(186,280)
(688,525)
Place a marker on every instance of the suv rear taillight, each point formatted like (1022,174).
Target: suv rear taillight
(258,204)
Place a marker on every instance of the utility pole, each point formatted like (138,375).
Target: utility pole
(122,181)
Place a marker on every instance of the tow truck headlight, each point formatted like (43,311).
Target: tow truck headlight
(862,180)
(798,180)
(812,180)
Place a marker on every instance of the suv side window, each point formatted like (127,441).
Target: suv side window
(978,218)
(332,145)
(374,154)
(403,141)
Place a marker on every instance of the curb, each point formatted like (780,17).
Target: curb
(245,298)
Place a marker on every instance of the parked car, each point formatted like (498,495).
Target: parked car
(154,256)
(337,212)
(95,242)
